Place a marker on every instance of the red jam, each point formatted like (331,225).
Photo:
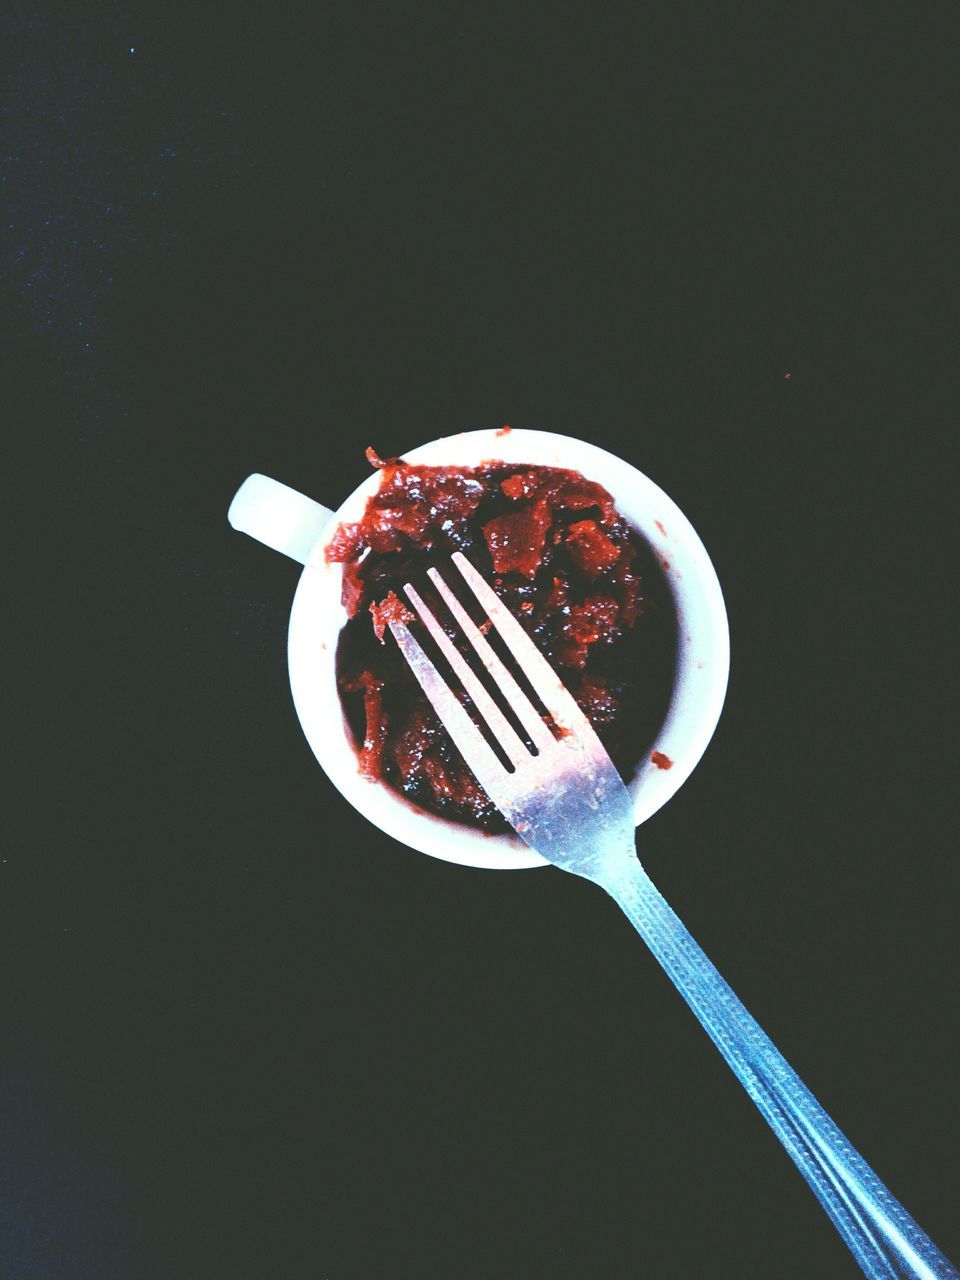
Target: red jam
(389,610)
(582,582)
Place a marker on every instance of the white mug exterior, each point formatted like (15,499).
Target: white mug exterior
(317,617)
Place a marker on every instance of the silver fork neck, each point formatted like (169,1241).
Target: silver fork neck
(578,816)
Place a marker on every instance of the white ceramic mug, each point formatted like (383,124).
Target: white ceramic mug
(301,528)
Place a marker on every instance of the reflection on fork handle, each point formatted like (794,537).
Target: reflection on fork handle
(882,1236)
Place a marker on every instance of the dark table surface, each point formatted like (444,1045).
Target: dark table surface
(245,1034)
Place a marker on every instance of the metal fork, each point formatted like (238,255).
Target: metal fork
(568,803)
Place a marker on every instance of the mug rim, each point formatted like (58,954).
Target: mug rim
(317,616)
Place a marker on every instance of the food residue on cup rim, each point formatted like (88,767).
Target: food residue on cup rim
(660,760)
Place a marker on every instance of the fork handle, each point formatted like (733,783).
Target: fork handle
(882,1236)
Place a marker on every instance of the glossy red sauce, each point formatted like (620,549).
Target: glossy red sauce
(583,583)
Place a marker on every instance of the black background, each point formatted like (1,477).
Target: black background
(243,1033)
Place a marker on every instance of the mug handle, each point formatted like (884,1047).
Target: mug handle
(278,516)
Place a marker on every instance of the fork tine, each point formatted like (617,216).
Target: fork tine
(467,738)
(519,702)
(488,709)
(558,701)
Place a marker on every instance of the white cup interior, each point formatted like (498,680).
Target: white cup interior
(703,657)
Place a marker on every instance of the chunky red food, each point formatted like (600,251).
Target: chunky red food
(583,583)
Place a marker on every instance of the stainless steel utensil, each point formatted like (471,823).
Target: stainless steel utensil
(566,800)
